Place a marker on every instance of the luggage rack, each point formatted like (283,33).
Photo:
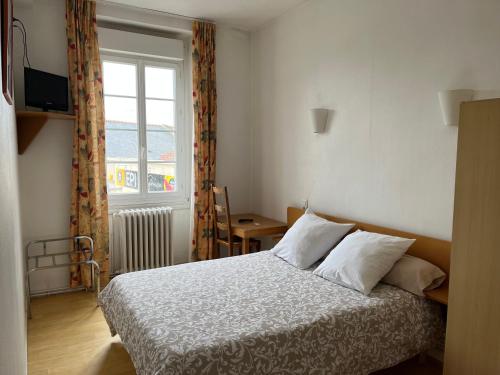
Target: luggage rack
(88,254)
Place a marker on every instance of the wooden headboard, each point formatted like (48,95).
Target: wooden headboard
(430,249)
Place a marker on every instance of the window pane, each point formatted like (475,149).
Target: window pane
(123,178)
(160,112)
(119,78)
(160,83)
(120,109)
(161,145)
(122,142)
(161,177)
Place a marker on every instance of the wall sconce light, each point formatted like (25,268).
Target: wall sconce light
(450,101)
(319,118)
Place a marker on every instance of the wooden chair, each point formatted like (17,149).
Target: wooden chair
(223,231)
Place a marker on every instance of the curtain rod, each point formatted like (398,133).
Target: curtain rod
(155,11)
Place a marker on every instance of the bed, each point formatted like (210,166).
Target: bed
(256,314)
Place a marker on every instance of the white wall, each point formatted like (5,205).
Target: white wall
(13,358)
(45,168)
(234,125)
(386,158)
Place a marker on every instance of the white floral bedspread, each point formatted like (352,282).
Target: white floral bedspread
(256,314)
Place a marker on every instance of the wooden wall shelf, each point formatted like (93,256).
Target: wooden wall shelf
(29,124)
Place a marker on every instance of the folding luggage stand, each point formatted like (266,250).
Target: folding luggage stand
(88,255)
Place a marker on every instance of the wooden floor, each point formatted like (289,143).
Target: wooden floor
(68,335)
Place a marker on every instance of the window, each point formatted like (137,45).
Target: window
(144,131)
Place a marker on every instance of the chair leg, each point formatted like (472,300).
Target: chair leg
(255,247)
(216,251)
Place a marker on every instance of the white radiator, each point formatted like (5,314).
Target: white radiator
(140,239)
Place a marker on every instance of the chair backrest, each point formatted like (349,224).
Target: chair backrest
(222,214)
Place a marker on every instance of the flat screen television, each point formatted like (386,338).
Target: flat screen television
(45,90)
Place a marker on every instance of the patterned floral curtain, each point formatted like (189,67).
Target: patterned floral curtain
(89,201)
(205,126)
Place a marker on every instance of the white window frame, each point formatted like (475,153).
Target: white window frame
(179,198)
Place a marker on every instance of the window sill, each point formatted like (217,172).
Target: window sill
(125,203)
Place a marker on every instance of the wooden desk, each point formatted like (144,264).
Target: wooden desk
(260,227)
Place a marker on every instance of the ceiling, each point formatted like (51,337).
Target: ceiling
(244,14)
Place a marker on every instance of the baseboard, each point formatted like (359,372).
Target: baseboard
(49,292)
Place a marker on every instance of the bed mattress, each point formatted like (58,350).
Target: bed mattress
(256,314)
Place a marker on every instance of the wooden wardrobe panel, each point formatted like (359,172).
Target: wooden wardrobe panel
(473,328)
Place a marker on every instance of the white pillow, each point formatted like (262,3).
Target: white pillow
(414,275)
(309,239)
(362,259)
